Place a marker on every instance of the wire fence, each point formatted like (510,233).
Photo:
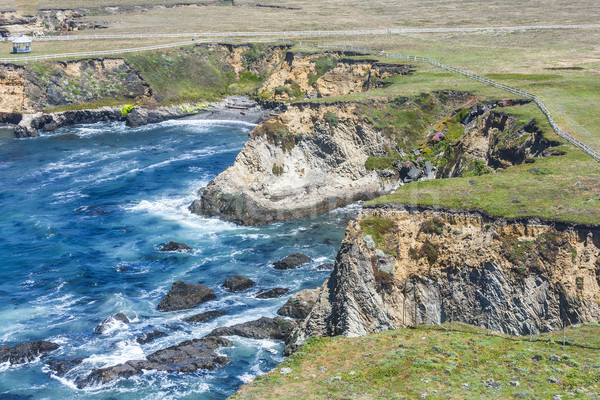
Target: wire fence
(585,148)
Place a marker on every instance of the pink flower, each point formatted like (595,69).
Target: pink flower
(438,136)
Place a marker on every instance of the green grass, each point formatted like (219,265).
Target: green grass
(407,363)
(563,187)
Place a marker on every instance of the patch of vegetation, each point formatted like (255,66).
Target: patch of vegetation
(375,163)
(323,65)
(126,109)
(277,170)
(278,134)
(332,119)
(376,227)
(433,226)
(429,362)
(428,250)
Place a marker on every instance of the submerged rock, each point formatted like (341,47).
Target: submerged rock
(292,261)
(269,294)
(26,352)
(110,322)
(174,246)
(206,316)
(188,356)
(183,296)
(238,283)
(299,304)
(150,336)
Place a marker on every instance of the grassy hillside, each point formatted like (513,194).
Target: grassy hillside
(437,364)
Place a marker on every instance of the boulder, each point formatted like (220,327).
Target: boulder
(324,267)
(238,283)
(269,294)
(61,367)
(413,175)
(299,304)
(292,261)
(264,328)
(206,316)
(174,246)
(26,352)
(188,356)
(110,323)
(150,336)
(183,296)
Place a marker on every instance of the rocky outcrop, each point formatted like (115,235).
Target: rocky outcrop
(237,283)
(175,246)
(299,304)
(183,296)
(111,323)
(516,276)
(150,336)
(297,165)
(26,352)
(292,261)
(272,293)
(188,356)
(308,76)
(206,316)
(264,328)
(62,367)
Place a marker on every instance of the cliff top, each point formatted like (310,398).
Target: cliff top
(410,363)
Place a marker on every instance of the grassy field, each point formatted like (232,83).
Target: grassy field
(432,363)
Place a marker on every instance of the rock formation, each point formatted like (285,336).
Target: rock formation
(183,296)
(429,266)
(26,352)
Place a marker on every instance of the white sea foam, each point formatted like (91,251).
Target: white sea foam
(246,377)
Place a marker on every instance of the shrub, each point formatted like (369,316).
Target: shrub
(126,109)
(332,119)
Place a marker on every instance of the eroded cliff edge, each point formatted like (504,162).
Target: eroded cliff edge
(513,276)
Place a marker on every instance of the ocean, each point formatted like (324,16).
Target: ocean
(83,213)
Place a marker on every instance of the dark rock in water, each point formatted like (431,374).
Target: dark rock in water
(264,328)
(26,352)
(206,316)
(237,283)
(269,294)
(324,267)
(188,356)
(174,246)
(150,336)
(110,322)
(183,296)
(292,261)
(61,367)
(299,304)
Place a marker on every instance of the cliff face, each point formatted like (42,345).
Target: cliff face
(307,161)
(511,276)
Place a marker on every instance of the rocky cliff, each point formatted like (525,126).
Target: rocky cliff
(318,156)
(299,164)
(399,264)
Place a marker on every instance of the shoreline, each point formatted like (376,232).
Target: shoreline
(232,108)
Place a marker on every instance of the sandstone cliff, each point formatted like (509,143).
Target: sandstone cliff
(299,164)
(514,277)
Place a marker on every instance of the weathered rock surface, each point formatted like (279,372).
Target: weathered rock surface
(299,165)
(269,294)
(183,296)
(150,336)
(238,283)
(206,316)
(188,356)
(61,367)
(264,328)
(522,276)
(175,246)
(292,261)
(299,304)
(111,323)
(26,352)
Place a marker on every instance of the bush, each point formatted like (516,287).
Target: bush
(126,109)
(332,119)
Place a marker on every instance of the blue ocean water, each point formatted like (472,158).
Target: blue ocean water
(83,212)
